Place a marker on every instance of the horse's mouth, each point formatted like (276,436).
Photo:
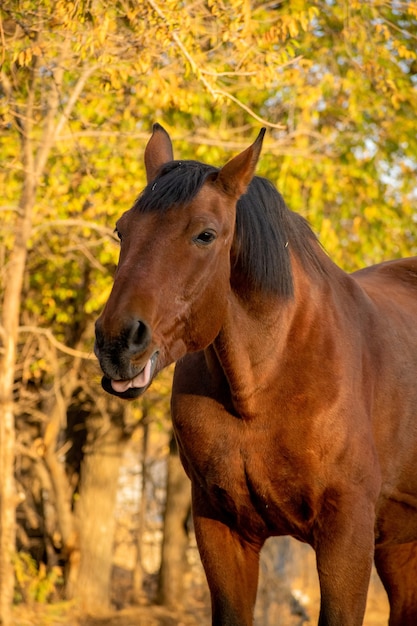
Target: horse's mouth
(134,387)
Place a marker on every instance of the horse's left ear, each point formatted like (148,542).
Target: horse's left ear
(235,176)
(157,152)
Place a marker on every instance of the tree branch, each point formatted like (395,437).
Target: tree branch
(57,344)
(103,230)
(200,74)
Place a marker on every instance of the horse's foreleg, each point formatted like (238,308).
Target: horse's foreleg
(231,565)
(397,568)
(344,551)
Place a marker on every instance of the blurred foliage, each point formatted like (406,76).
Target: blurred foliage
(33,582)
(335,83)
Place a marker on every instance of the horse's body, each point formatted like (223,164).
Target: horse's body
(295,393)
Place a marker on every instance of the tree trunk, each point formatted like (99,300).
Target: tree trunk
(96,519)
(175,535)
(138,574)
(62,492)
(33,162)
(14,273)
(7,509)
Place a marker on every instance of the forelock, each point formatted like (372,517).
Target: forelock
(177,184)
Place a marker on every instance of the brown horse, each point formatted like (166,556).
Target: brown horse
(295,392)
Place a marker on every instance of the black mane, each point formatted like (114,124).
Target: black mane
(265,228)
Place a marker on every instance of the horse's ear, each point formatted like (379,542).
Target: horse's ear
(235,176)
(157,152)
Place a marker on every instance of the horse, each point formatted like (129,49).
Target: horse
(294,399)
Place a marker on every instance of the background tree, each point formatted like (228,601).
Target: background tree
(176,529)
(81,84)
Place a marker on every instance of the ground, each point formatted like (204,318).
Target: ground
(275,607)
(61,615)
(65,615)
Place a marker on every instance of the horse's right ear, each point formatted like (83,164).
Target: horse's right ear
(157,152)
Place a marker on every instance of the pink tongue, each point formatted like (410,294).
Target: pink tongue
(141,380)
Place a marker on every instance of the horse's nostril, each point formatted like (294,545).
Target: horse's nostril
(140,336)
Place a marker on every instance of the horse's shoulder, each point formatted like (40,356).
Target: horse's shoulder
(399,271)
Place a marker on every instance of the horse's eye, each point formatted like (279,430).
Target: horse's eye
(205,237)
(117,233)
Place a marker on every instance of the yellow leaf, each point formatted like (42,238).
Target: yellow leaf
(25,57)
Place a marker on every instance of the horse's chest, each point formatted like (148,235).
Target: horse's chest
(245,480)
(253,499)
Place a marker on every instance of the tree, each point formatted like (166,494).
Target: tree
(33,162)
(95,511)
(175,536)
(35,115)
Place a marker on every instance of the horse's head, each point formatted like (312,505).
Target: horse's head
(172,282)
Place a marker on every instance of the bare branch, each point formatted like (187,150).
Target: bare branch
(57,344)
(77,223)
(51,134)
(200,75)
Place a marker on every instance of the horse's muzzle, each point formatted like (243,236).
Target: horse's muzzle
(127,371)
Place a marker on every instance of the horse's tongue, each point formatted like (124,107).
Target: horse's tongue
(141,380)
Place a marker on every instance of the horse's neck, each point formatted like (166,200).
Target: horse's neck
(248,346)
(262,334)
